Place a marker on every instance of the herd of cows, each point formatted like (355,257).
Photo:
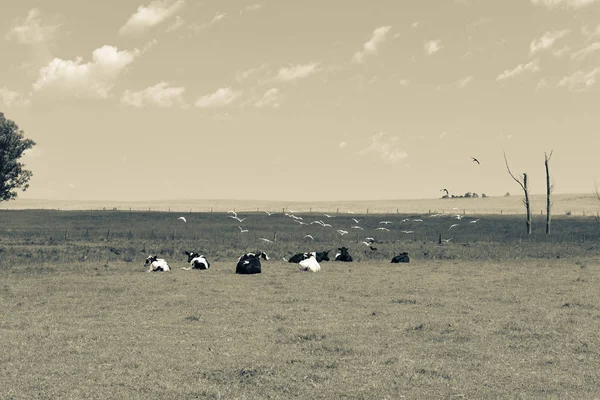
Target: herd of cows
(249,263)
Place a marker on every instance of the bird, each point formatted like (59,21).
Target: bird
(328,216)
(444,190)
(370,239)
(350,212)
(446,240)
(474,221)
(308,236)
(356,227)
(458,216)
(300,222)
(453,225)
(183,219)
(475,160)
(242,230)
(385,222)
(408,231)
(382,229)
(356,220)
(233,212)
(417,220)
(265,240)
(326,224)
(341,232)
(268,213)
(237,218)
(367,243)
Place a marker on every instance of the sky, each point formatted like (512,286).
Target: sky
(302,100)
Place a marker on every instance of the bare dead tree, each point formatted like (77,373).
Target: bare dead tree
(523,183)
(549,188)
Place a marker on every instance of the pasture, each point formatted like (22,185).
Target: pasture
(489,313)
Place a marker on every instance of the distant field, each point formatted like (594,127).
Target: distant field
(577,204)
(491,313)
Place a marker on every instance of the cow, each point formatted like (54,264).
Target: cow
(156,264)
(249,263)
(197,261)
(343,255)
(310,264)
(296,258)
(401,258)
(322,256)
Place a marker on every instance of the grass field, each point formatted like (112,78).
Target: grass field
(490,314)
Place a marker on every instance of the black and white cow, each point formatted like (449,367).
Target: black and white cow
(249,263)
(156,264)
(343,255)
(310,264)
(296,258)
(197,261)
(401,258)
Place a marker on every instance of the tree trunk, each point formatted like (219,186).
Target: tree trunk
(527,204)
(548,191)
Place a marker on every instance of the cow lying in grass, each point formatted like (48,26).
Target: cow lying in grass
(343,255)
(320,256)
(249,263)
(197,261)
(310,264)
(401,258)
(156,264)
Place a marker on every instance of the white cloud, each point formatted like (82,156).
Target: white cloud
(11,98)
(175,25)
(160,95)
(343,145)
(590,33)
(220,98)
(432,46)
(244,75)
(531,66)
(300,71)
(271,98)
(385,148)
(580,80)
(586,51)
(560,52)
(31,30)
(546,41)
(217,17)
(254,7)
(464,82)
(415,25)
(563,3)
(378,36)
(94,78)
(151,15)
(443,134)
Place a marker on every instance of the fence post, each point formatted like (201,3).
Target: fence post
(107,234)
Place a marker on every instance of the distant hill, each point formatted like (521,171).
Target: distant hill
(577,204)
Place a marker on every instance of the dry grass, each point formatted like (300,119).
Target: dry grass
(429,329)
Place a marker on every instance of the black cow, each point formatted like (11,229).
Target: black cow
(323,256)
(343,255)
(401,258)
(197,261)
(249,263)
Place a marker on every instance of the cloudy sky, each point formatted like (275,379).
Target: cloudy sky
(302,100)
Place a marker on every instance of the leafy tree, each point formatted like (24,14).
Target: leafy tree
(12,146)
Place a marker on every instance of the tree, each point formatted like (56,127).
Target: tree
(12,146)
(523,183)
(549,188)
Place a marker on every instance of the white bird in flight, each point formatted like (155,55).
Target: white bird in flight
(453,225)
(474,221)
(183,219)
(308,236)
(265,240)
(328,216)
(268,213)
(382,229)
(408,231)
(356,220)
(356,227)
(237,218)
(385,222)
(242,230)
(341,232)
